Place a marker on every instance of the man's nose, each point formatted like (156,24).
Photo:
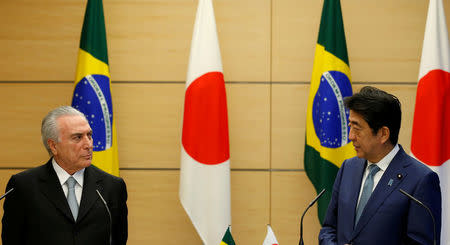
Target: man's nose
(88,142)
(351,135)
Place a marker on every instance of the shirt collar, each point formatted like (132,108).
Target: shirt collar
(384,163)
(63,175)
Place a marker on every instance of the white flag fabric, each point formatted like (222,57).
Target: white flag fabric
(270,237)
(205,158)
(430,142)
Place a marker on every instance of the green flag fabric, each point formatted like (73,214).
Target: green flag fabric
(227,238)
(327,144)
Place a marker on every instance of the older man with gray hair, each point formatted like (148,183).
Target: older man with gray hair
(67,200)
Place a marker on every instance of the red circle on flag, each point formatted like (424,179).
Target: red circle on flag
(431,127)
(205,122)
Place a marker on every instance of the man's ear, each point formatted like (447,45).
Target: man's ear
(384,134)
(52,144)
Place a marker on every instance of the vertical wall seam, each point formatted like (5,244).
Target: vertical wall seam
(270,109)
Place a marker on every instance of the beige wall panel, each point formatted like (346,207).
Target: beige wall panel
(22,108)
(5,175)
(155,211)
(294,35)
(150,40)
(149,124)
(384,38)
(147,40)
(244,34)
(250,204)
(249,125)
(39,39)
(289,104)
(291,194)
(407,96)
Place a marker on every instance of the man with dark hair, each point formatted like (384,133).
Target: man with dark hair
(61,202)
(366,206)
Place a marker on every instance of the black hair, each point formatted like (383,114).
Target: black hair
(378,109)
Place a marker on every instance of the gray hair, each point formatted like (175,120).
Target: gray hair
(49,127)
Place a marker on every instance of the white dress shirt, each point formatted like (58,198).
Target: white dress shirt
(383,165)
(63,176)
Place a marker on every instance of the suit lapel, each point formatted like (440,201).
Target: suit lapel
(51,188)
(89,196)
(387,184)
(354,187)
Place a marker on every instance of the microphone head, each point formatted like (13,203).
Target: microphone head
(321,193)
(317,197)
(411,197)
(4,195)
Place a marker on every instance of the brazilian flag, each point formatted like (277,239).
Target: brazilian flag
(92,93)
(327,144)
(227,238)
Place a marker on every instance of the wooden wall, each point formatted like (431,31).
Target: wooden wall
(267,49)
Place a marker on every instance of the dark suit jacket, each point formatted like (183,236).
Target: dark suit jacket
(37,212)
(389,216)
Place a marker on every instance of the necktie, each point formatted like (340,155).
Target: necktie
(71,198)
(367,191)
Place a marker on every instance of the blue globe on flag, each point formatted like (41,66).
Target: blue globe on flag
(92,96)
(330,117)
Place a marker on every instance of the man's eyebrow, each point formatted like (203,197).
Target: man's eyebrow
(78,134)
(354,123)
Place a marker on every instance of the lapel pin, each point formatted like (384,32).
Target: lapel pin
(399,176)
(390,182)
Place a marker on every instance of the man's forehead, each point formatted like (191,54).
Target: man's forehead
(71,116)
(355,117)
(74,123)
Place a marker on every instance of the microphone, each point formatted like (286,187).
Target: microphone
(109,215)
(425,206)
(301,222)
(4,195)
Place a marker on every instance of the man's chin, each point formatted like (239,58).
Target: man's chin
(87,163)
(359,154)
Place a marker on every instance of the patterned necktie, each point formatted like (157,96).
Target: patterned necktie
(71,198)
(367,191)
